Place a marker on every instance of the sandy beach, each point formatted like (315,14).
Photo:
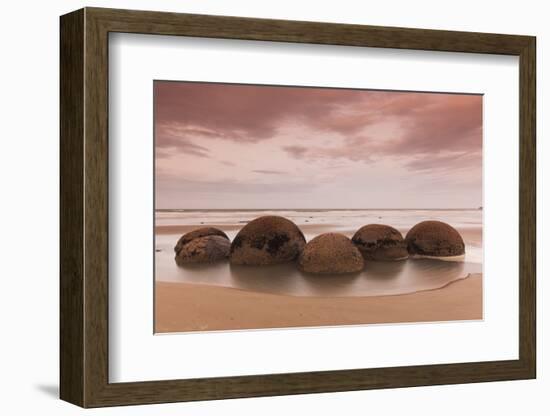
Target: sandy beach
(185,307)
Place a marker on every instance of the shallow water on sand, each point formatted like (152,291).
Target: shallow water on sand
(378,278)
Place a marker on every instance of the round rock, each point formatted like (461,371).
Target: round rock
(200,232)
(209,249)
(267,240)
(380,242)
(331,253)
(434,239)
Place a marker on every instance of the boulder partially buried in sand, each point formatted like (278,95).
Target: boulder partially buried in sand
(380,242)
(267,240)
(199,232)
(331,253)
(209,249)
(434,239)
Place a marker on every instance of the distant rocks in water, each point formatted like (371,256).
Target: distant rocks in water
(331,253)
(380,242)
(267,240)
(434,239)
(200,232)
(208,249)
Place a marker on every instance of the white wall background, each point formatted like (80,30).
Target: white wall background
(29,211)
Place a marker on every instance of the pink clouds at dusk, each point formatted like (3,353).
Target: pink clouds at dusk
(249,146)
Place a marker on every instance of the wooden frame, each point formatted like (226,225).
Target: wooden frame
(84,207)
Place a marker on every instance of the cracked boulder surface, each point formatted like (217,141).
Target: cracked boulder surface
(380,242)
(267,240)
(199,232)
(208,249)
(434,239)
(331,253)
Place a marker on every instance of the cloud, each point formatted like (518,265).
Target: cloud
(452,161)
(268,172)
(299,152)
(426,122)
(444,122)
(422,133)
(182,146)
(227,163)
(176,185)
(426,131)
(247,113)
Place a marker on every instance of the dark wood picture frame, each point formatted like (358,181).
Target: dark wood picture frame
(84,207)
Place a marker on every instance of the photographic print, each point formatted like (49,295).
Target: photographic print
(292,206)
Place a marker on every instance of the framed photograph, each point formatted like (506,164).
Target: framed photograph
(255,207)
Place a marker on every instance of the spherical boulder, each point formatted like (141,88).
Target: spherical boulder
(208,249)
(267,240)
(199,232)
(331,253)
(434,239)
(380,242)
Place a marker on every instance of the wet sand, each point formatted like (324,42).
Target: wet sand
(186,307)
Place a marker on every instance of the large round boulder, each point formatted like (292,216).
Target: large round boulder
(434,239)
(199,232)
(267,240)
(208,249)
(380,242)
(331,253)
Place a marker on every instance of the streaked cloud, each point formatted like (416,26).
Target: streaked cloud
(271,138)
(268,172)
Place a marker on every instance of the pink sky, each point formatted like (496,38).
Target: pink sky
(247,146)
